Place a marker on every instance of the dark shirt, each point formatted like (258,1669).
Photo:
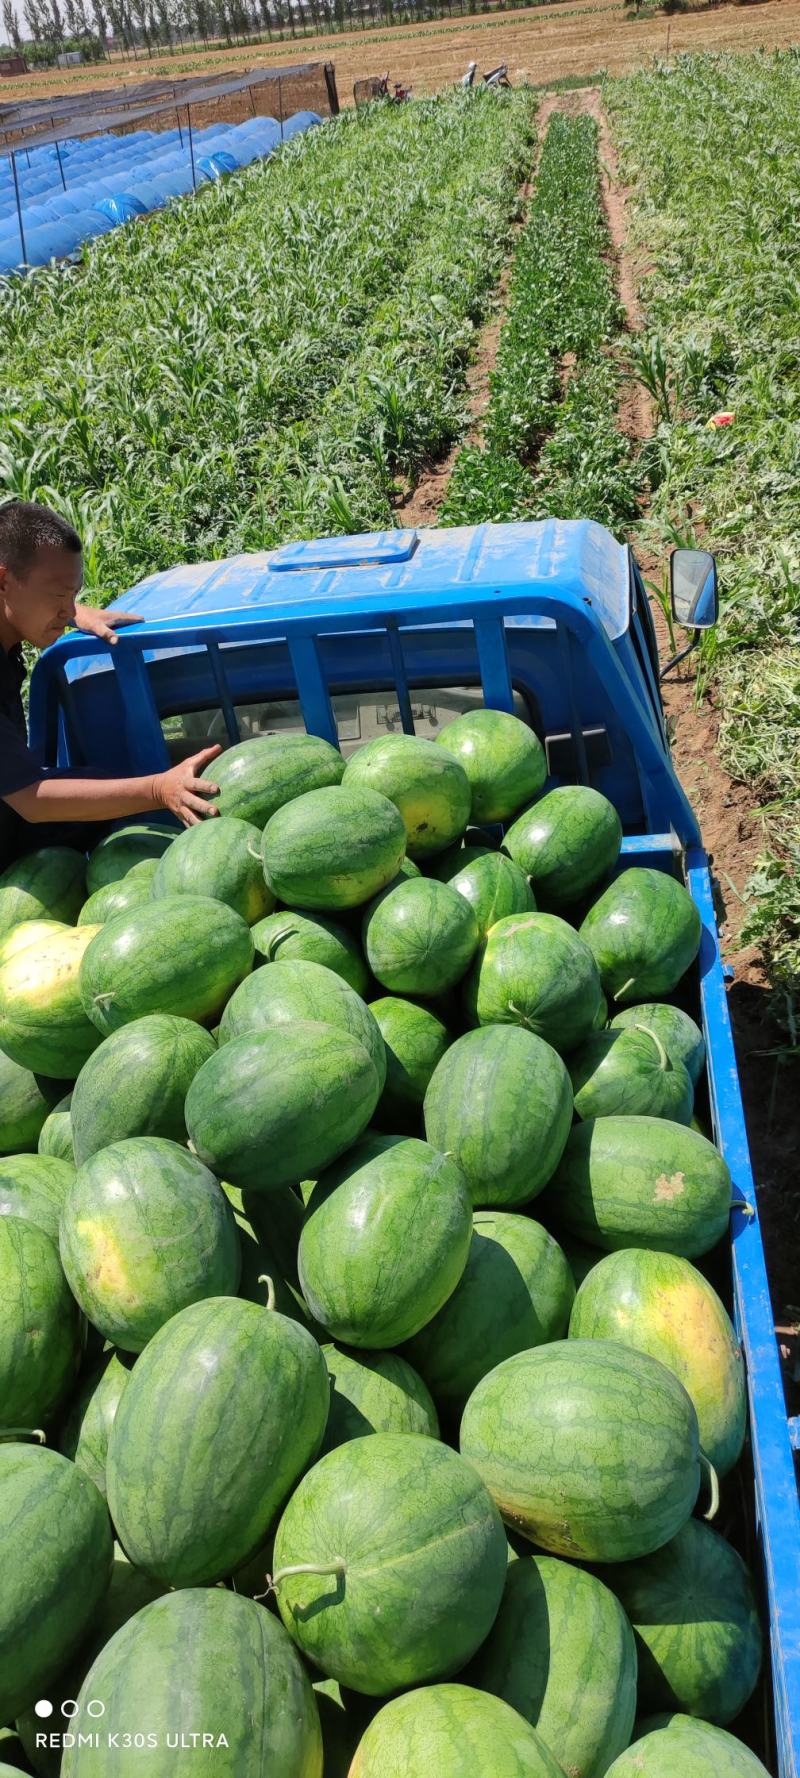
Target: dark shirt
(18,765)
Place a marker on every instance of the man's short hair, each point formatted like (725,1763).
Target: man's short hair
(26,527)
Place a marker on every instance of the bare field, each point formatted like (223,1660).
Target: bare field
(543,45)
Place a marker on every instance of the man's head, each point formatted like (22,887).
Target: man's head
(41,572)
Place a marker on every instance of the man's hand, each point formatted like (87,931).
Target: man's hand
(182,790)
(94,622)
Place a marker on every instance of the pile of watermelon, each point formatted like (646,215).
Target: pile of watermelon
(363,1398)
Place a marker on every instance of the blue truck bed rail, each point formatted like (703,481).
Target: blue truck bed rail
(550,620)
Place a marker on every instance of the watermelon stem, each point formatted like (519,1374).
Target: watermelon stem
(663,1059)
(742,1204)
(713,1483)
(103,999)
(14,1432)
(624,988)
(288,932)
(337,1566)
(263,1278)
(519,1014)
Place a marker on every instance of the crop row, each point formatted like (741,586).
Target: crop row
(210,381)
(716,164)
(551,441)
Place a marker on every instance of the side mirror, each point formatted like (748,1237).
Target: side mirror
(693,588)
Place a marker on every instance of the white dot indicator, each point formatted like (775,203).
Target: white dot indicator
(44,1707)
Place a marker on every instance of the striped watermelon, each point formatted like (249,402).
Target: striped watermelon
(291,937)
(516,1292)
(641,1182)
(126,846)
(420,937)
(415,1041)
(45,885)
(184,954)
(534,970)
(374,1392)
(629,1072)
(43,1025)
(119,896)
(492,883)
(430,789)
(681,1037)
(146,1230)
(697,1627)
(407,1557)
(34,1187)
(530,1423)
(237,1677)
(289,993)
(643,933)
(562,1653)
(365,1274)
(451,1731)
(258,776)
(504,761)
(684,1746)
(135,1083)
(567,843)
(87,1428)
(661,1304)
(24,1107)
(41,1328)
(500,1102)
(244,1394)
(219,858)
(333,848)
(55,1558)
(55,1136)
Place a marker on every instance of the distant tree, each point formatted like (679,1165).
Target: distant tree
(11,24)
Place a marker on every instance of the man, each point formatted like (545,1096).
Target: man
(41,573)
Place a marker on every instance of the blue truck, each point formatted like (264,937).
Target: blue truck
(352,637)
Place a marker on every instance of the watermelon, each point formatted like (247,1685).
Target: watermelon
(420,937)
(500,1102)
(34,1187)
(55,1136)
(697,1628)
(567,843)
(629,1072)
(415,1041)
(29,932)
(220,1415)
(365,1273)
(277,1222)
(41,1329)
(492,883)
(24,1107)
(262,1279)
(561,1652)
(535,971)
(681,1037)
(466,1731)
(219,858)
(641,1182)
(661,1304)
(644,932)
(504,761)
(128,1592)
(87,1428)
(408,1561)
(136,1083)
(589,1448)
(183,954)
(45,885)
(515,1292)
(258,776)
(119,896)
(686,1747)
(43,1025)
(292,937)
(333,848)
(55,1558)
(146,1230)
(126,846)
(429,787)
(236,1677)
(289,993)
(277,1106)
(375,1392)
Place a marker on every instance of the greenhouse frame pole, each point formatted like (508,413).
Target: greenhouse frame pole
(280,103)
(19,208)
(191,146)
(60,166)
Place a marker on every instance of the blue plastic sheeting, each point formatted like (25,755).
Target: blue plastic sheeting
(88,187)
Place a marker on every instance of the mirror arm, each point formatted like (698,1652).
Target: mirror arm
(681,655)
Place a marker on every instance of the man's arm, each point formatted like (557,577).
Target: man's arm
(181,790)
